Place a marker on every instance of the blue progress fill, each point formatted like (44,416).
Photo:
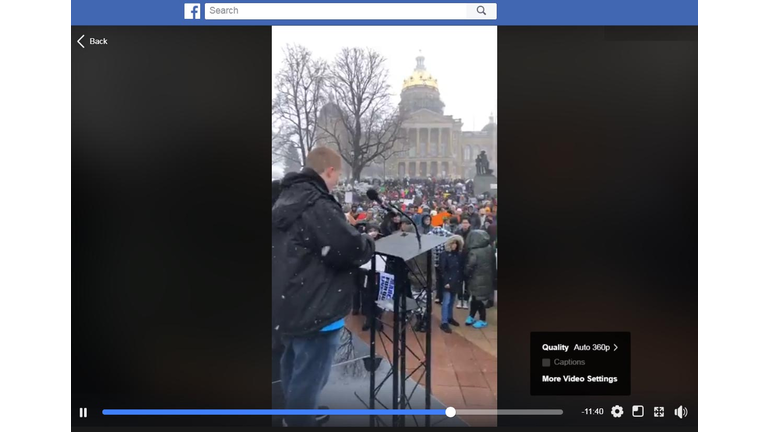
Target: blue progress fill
(270,412)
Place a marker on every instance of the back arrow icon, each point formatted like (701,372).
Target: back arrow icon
(78,41)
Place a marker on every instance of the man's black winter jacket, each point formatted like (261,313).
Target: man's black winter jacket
(316,255)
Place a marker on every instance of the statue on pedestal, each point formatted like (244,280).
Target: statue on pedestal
(486,170)
(484,182)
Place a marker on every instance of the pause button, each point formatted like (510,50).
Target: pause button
(83,412)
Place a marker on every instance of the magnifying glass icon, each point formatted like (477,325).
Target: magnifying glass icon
(481,9)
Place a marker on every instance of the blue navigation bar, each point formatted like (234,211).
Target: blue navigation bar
(508,13)
(271,412)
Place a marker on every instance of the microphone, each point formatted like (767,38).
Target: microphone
(374,196)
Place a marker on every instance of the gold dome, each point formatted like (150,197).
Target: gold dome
(420,76)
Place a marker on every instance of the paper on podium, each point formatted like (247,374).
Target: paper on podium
(380,264)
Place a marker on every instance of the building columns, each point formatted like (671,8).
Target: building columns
(447,137)
(429,141)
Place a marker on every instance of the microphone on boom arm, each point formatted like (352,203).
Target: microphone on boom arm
(374,196)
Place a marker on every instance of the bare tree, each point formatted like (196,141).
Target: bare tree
(277,143)
(300,94)
(291,159)
(367,124)
(276,151)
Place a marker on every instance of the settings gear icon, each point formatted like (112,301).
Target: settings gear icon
(617,411)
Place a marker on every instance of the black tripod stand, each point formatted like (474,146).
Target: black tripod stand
(398,249)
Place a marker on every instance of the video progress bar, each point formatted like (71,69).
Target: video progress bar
(448,412)
(271,412)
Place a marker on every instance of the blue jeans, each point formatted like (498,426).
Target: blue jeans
(304,371)
(448,300)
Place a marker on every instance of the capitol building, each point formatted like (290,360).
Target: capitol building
(434,143)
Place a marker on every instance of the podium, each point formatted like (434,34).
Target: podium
(397,249)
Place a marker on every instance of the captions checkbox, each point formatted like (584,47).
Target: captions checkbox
(545,362)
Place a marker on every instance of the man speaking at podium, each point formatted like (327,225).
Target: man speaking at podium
(316,255)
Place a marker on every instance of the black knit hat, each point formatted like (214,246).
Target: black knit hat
(372,227)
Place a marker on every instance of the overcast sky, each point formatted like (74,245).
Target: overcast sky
(462,59)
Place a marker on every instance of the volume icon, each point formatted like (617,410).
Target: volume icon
(681,411)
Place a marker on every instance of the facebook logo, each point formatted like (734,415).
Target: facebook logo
(191,10)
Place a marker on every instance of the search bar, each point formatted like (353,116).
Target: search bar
(350,11)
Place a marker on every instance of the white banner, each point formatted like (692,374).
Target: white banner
(348,197)
(386,286)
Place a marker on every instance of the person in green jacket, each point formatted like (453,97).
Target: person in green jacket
(479,271)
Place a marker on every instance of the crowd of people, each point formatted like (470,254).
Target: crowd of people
(465,267)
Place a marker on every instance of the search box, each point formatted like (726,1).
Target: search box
(350,11)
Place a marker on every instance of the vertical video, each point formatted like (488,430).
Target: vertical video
(384,139)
